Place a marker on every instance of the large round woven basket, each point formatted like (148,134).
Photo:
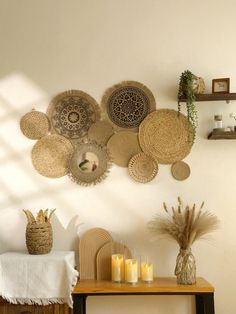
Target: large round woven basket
(39,238)
(166,135)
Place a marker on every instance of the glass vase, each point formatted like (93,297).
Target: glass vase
(185,269)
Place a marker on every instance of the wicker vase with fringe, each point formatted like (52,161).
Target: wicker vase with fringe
(185,269)
(39,238)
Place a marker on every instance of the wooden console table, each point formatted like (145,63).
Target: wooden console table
(202,290)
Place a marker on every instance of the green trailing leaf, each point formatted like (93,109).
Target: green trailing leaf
(186,91)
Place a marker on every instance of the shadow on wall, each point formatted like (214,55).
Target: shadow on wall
(66,239)
(20,186)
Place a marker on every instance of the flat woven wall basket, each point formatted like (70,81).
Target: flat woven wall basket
(39,238)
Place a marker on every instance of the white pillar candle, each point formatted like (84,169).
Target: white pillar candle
(131,270)
(117,267)
(147,271)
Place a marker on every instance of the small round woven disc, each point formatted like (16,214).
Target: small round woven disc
(34,125)
(166,135)
(100,132)
(126,104)
(122,146)
(51,155)
(180,170)
(142,168)
(72,113)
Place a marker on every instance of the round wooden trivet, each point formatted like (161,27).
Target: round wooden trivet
(180,170)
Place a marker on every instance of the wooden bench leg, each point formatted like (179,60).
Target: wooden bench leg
(79,304)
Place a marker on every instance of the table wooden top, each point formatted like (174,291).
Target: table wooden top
(160,285)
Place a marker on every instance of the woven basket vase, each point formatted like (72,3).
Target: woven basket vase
(39,238)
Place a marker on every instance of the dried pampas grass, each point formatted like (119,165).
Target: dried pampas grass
(184,224)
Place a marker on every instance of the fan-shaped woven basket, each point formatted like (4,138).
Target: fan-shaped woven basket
(39,238)
(166,135)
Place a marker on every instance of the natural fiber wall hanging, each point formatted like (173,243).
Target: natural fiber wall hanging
(100,132)
(126,104)
(89,164)
(123,145)
(180,170)
(165,134)
(34,124)
(73,118)
(51,155)
(142,168)
(72,113)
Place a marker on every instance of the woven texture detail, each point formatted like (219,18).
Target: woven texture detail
(72,113)
(180,170)
(51,154)
(34,125)
(123,145)
(142,168)
(126,104)
(166,135)
(39,238)
(100,132)
(82,171)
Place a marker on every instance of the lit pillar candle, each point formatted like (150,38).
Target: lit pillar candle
(131,270)
(117,267)
(147,271)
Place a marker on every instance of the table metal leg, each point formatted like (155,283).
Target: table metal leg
(199,304)
(205,303)
(79,304)
(209,303)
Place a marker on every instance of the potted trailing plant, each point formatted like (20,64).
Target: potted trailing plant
(185,225)
(189,85)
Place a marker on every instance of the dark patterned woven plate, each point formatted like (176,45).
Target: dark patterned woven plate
(72,113)
(127,104)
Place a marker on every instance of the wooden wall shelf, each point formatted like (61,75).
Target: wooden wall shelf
(213,97)
(222,136)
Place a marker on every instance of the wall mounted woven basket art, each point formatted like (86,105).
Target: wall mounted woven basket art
(79,138)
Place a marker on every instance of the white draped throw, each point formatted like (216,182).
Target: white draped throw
(37,279)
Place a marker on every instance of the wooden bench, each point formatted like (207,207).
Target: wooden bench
(202,290)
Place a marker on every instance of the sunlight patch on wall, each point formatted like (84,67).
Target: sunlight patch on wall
(20,186)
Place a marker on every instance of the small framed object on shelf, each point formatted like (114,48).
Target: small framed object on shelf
(220,86)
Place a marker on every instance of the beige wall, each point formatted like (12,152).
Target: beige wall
(90,45)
